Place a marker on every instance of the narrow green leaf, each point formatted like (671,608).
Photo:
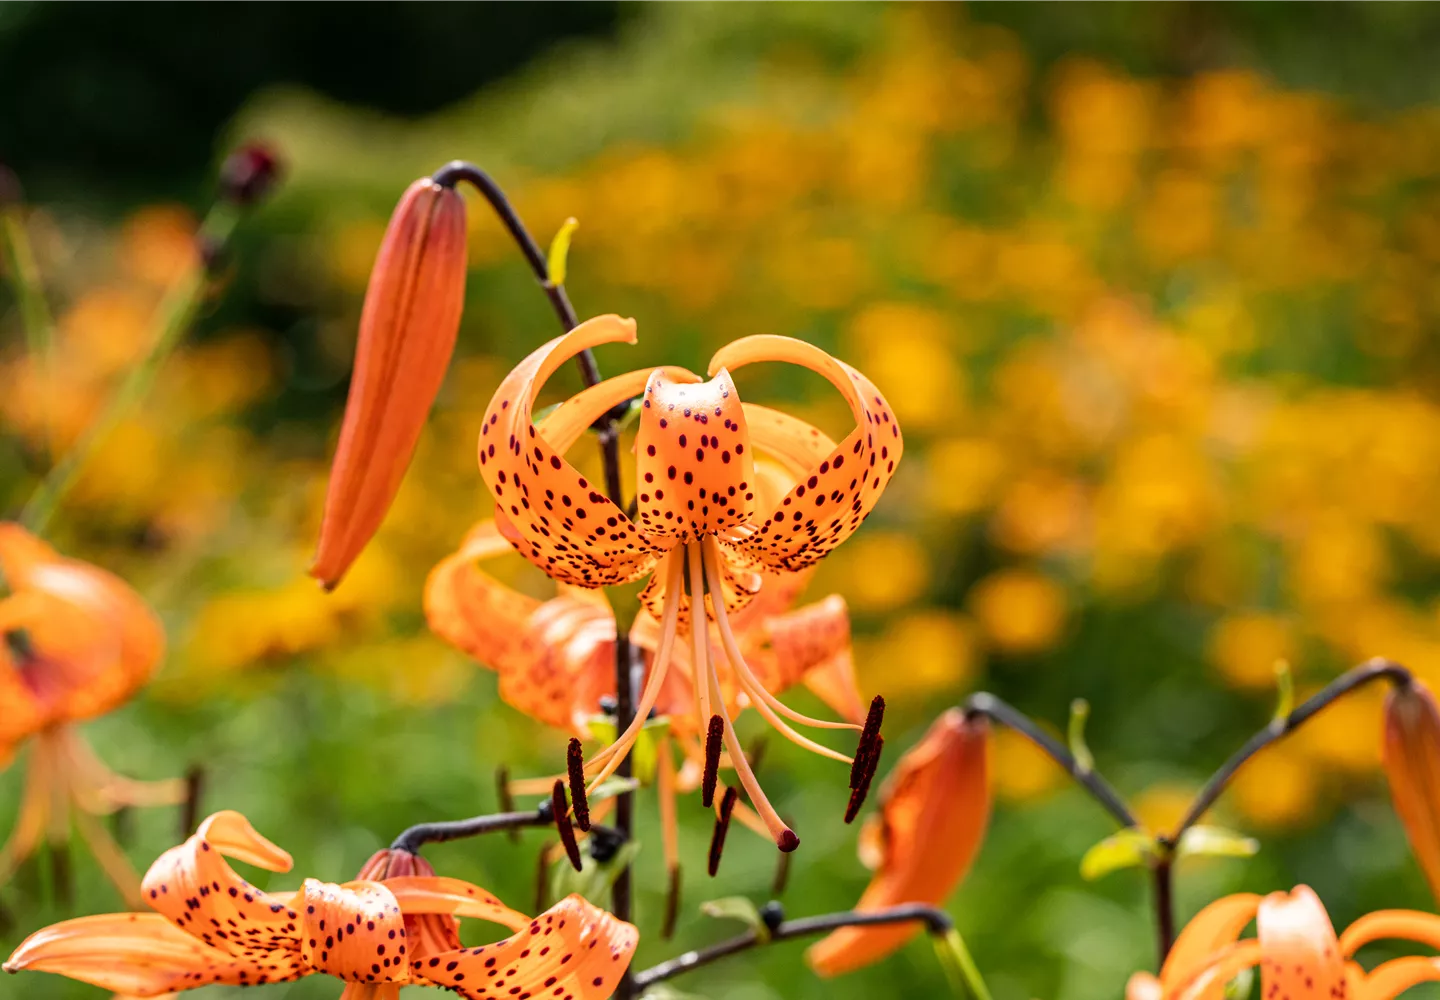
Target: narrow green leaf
(1216,842)
(737,908)
(1126,849)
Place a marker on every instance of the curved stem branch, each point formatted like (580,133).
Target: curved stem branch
(433,833)
(986,704)
(1372,670)
(936,921)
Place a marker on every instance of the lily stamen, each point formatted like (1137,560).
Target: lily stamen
(713,741)
(575,761)
(563,826)
(722,826)
(867,774)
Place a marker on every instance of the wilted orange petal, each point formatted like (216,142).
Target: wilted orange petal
(354,932)
(1214,927)
(554,516)
(407,333)
(828,504)
(142,955)
(934,808)
(1302,956)
(1412,767)
(574,947)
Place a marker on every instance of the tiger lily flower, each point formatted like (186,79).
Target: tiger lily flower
(1412,767)
(211,926)
(1296,949)
(934,808)
(697,500)
(407,334)
(78,642)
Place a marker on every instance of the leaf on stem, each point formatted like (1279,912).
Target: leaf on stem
(738,908)
(1215,842)
(1131,848)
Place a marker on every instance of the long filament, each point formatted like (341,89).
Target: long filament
(700,633)
(779,830)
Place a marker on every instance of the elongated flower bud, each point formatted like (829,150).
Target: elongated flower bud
(1412,766)
(407,333)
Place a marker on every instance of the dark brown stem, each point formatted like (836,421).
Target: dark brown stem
(1164,906)
(985,704)
(936,922)
(1371,670)
(433,833)
(190,808)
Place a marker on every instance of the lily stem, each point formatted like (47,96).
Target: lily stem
(177,312)
(936,921)
(625,666)
(1164,876)
(985,704)
(433,833)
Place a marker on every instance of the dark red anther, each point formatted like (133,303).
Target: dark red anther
(672,905)
(713,740)
(722,826)
(248,174)
(562,825)
(857,795)
(788,841)
(868,736)
(575,762)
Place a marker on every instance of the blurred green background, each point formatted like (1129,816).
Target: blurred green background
(1152,289)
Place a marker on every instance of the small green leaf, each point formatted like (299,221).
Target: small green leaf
(960,968)
(1285,682)
(1216,842)
(1079,714)
(613,786)
(737,908)
(1126,849)
(560,250)
(594,879)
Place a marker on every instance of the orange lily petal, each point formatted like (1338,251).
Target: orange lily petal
(194,887)
(424,894)
(1406,925)
(1209,980)
(407,334)
(813,643)
(1390,979)
(1302,955)
(553,515)
(20,553)
(142,955)
(564,664)
(563,425)
(1214,927)
(472,610)
(574,947)
(934,808)
(354,932)
(796,444)
(694,459)
(1412,767)
(828,505)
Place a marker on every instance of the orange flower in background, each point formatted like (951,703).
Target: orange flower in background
(698,499)
(1296,949)
(1412,767)
(78,642)
(211,926)
(407,333)
(933,811)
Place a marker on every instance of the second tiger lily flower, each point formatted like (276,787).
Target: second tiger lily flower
(934,808)
(211,926)
(75,643)
(1296,949)
(698,498)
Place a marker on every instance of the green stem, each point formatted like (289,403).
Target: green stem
(176,314)
(30,296)
(960,964)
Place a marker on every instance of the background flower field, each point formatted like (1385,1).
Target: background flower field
(1153,292)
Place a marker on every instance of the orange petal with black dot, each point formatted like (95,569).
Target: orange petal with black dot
(194,887)
(574,948)
(434,894)
(354,932)
(564,663)
(143,955)
(934,808)
(694,459)
(739,585)
(553,515)
(812,643)
(838,493)
(407,334)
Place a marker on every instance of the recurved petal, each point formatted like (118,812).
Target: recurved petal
(194,887)
(1392,978)
(934,808)
(554,516)
(354,932)
(573,947)
(1412,767)
(1217,925)
(1405,925)
(794,443)
(838,493)
(564,662)
(142,955)
(812,643)
(1302,955)
(407,334)
(472,610)
(434,894)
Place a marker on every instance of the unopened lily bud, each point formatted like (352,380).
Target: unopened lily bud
(407,333)
(248,174)
(1412,766)
(427,933)
(934,808)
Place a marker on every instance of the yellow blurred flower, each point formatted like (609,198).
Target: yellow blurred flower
(157,244)
(880,570)
(1246,646)
(1278,787)
(1160,808)
(1019,770)
(1019,610)
(924,652)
